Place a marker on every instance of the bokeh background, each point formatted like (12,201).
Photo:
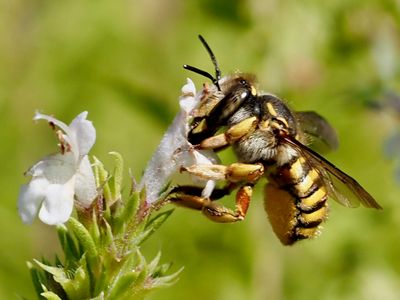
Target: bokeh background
(122,62)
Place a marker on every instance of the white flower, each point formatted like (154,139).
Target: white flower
(58,178)
(175,151)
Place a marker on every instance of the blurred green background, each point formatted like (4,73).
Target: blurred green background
(122,62)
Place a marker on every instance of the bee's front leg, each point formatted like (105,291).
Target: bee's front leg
(190,197)
(233,134)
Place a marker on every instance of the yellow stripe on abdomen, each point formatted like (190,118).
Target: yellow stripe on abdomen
(303,187)
(296,170)
(314,199)
(314,217)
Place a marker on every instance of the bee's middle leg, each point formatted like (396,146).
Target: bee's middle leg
(236,172)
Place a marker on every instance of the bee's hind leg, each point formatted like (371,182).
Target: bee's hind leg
(222,214)
(239,175)
(190,197)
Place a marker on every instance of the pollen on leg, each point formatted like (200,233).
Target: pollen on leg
(281,211)
(243,198)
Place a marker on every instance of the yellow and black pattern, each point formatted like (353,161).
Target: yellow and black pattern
(296,192)
(263,131)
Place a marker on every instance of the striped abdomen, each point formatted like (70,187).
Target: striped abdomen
(295,200)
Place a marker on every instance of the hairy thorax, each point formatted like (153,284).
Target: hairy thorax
(258,147)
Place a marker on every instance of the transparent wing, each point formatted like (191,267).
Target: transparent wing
(341,187)
(321,134)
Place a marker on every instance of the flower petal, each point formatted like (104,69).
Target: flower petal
(64,127)
(30,198)
(188,100)
(175,151)
(80,134)
(50,119)
(56,168)
(51,190)
(58,203)
(162,165)
(84,133)
(85,183)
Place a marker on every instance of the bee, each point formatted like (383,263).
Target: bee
(272,141)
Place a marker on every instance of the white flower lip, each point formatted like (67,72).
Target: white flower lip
(59,178)
(175,151)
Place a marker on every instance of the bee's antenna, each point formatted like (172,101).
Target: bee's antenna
(204,73)
(212,56)
(199,71)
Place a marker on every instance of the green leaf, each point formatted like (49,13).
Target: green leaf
(57,261)
(134,266)
(99,171)
(116,179)
(95,229)
(102,179)
(132,206)
(50,296)
(76,285)
(153,225)
(68,244)
(166,281)
(132,260)
(142,236)
(37,278)
(127,212)
(110,242)
(123,285)
(55,271)
(154,263)
(79,286)
(99,297)
(161,270)
(84,238)
(101,282)
(143,270)
(158,220)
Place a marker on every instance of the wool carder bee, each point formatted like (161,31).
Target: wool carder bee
(271,141)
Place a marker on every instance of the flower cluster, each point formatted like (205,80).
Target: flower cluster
(100,231)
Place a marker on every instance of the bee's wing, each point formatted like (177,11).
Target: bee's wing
(322,134)
(341,187)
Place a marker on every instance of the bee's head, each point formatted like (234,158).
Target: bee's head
(276,117)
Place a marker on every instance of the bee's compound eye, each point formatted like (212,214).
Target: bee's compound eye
(243,82)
